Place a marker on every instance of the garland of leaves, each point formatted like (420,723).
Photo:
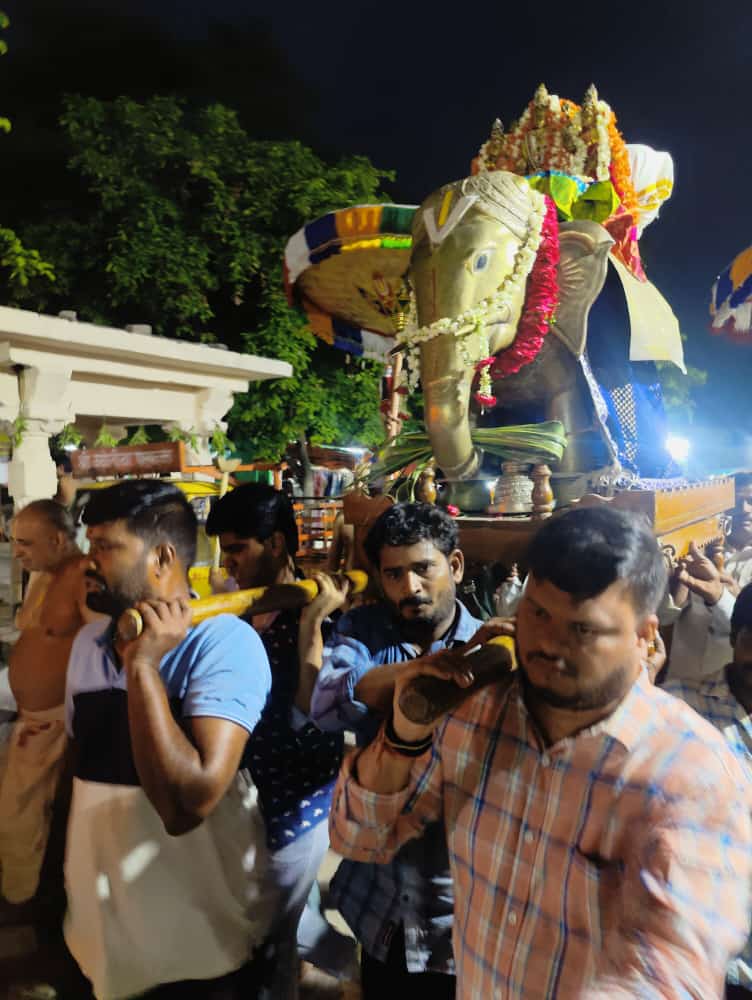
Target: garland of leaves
(529,444)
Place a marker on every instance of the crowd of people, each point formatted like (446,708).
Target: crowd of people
(581,827)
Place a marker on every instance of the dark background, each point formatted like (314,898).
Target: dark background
(415,87)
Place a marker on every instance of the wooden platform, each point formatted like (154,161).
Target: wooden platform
(696,513)
(678,515)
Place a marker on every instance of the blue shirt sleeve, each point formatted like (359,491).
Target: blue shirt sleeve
(229,676)
(363,639)
(334,706)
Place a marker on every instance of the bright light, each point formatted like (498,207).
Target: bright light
(356,451)
(677,447)
(70,447)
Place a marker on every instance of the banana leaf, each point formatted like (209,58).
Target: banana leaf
(530,444)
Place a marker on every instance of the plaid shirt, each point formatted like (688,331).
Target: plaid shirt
(713,700)
(612,864)
(415,889)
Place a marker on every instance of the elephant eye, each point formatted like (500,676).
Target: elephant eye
(480,262)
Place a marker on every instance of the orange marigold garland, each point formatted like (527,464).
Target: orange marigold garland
(621,171)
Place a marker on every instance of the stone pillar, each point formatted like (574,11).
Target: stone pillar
(45,408)
(211,406)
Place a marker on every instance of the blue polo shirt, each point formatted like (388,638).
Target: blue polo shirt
(145,908)
(219,670)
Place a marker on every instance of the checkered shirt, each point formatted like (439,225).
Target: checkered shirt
(713,700)
(612,864)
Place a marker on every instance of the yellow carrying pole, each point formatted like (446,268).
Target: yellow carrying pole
(274,598)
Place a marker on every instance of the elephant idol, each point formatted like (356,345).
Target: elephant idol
(516,294)
(473,269)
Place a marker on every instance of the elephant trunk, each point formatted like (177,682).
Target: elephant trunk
(446,393)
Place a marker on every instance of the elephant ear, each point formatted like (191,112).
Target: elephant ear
(583,262)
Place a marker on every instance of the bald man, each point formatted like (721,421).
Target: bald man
(53,611)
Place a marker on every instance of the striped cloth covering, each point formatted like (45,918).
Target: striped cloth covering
(731,298)
(346,270)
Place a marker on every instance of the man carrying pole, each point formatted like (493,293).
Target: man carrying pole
(165,863)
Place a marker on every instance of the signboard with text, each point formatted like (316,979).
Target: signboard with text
(130,460)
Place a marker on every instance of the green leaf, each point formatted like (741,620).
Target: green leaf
(139,436)
(18,429)
(106,439)
(68,436)
(220,442)
(528,443)
(189,437)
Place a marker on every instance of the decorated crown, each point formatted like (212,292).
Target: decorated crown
(576,155)
(559,136)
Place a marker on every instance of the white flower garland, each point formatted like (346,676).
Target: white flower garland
(578,156)
(603,155)
(475,319)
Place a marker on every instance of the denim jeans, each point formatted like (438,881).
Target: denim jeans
(293,870)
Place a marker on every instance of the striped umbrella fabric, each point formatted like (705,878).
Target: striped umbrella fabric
(731,298)
(347,271)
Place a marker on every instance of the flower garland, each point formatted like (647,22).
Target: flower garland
(554,134)
(540,304)
(603,146)
(546,136)
(474,320)
(621,170)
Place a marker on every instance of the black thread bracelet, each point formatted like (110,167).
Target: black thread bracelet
(405,747)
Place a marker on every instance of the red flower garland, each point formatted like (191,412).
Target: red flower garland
(541,300)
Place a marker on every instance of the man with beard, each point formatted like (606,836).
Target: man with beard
(703,597)
(165,853)
(401,912)
(598,829)
(725,700)
(53,611)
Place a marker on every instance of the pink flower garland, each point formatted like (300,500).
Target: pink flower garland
(541,300)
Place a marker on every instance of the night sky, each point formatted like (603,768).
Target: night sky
(415,88)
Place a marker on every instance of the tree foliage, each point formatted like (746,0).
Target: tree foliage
(19,266)
(183,226)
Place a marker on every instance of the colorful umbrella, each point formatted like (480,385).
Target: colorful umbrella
(347,271)
(731,299)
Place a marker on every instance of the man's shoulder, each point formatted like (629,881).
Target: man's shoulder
(227,631)
(739,565)
(669,707)
(687,749)
(466,625)
(484,708)
(691,689)
(86,664)
(743,554)
(88,636)
(366,623)
(220,669)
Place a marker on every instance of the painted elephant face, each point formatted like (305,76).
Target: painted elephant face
(473,245)
(466,241)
